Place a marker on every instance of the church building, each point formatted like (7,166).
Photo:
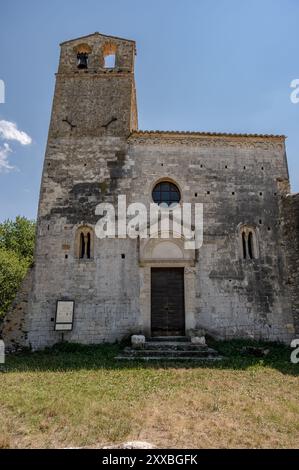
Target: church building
(241,282)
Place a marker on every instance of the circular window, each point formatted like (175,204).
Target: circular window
(166,193)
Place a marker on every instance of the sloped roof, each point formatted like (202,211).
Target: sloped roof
(96,34)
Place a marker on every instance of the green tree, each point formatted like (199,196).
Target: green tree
(12,272)
(16,255)
(18,236)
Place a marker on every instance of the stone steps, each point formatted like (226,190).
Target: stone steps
(172,345)
(170,353)
(170,349)
(170,359)
(164,339)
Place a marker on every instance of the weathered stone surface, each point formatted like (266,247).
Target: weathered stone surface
(132,445)
(196,332)
(14,329)
(95,153)
(2,352)
(198,340)
(137,341)
(290,243)
(170,349)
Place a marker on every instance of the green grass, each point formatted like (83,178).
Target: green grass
(72,396)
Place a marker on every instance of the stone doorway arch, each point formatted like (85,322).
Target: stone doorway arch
(166,253)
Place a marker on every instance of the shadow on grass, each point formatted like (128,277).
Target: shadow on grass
(70,357)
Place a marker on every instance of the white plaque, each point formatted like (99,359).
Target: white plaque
(64,315)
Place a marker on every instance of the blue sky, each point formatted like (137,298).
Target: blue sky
(208,65)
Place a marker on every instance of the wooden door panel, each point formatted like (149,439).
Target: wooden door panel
(167,302)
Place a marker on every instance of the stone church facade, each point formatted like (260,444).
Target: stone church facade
(242,281)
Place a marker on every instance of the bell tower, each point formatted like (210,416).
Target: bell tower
(95,88)
(94,111)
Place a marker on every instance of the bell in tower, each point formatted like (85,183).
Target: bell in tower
(82,58)
(95,87)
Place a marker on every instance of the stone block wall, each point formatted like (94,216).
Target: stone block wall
(14,329)
(239,181)
(290,224)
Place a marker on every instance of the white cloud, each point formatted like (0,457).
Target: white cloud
(5,150)
(9,131)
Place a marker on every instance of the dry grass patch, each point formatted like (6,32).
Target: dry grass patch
(80,396)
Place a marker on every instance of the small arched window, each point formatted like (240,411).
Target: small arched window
(82,246)
(244,245)
(84,243)
(249,246)
(109,55)
(166,193)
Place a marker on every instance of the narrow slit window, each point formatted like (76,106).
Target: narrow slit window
(82,245)
(88,246)
(250,245)
(244,244)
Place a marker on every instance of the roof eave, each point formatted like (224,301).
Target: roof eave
(207,134)
(98,34)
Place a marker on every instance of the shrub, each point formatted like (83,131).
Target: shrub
(16,255)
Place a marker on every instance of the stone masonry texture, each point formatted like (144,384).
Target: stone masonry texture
(94,153)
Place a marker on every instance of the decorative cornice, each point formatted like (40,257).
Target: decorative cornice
(93,73)
(208,139)
(205,134)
